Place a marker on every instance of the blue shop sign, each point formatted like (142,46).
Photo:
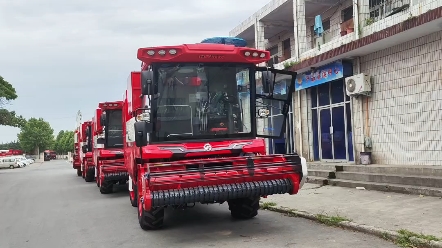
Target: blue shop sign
(319,76)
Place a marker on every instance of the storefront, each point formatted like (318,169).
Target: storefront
(330,110)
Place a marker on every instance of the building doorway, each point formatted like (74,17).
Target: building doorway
(331,122)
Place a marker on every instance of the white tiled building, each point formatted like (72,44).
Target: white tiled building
(395,42)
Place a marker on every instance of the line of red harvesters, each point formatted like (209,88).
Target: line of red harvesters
(192,128)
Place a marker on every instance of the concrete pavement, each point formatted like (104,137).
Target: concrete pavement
(47,205)
(390,211)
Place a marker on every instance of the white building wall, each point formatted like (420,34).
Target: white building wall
(302,121)
(405,111)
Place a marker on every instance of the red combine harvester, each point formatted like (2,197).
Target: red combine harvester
(109,159)
(87,163)
(76,159)
(197,135)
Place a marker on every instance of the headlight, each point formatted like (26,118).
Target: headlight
(143,117)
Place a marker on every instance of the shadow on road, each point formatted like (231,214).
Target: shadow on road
(119,191)
(205,222)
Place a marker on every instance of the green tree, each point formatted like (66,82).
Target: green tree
(9,118)
(10,145)
(36,135)
(57,143)
(68,141)
(64,142)
(7,94)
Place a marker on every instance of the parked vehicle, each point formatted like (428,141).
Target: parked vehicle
(22,160)
(9,162)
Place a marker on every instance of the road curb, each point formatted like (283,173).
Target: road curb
(375,231)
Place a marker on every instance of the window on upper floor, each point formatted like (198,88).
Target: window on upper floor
(347,23)
(327,36)
(273,51)
(273,56)
(380,9)
(376,8)
(347,14)
(286,49)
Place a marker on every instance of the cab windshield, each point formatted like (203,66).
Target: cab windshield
(114,129)
(201,101)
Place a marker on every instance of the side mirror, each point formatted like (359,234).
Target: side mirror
(267,81)
(103,119)
(142,129)
(147,85)
(100,141)
(84,148)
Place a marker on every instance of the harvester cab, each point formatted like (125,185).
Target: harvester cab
(212,96)
(110,126)
(109,158)
(201,129)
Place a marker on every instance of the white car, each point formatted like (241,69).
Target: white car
(26,161)
(21,161)
(7,162)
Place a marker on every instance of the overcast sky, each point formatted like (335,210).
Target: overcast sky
(65,56)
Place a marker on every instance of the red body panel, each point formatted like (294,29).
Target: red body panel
(160,152)
(76,161)
(202,53)
(76,156)
(86,160)
(131,102)
(96,131)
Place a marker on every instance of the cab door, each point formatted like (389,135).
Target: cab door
(273,96)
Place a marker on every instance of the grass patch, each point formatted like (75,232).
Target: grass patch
(406,239)
(290,213)
(267,205)
(331,220)
(386,236)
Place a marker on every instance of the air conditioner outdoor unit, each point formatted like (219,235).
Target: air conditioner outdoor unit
(358,85)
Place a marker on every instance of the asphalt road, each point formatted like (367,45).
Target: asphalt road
(47,205)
